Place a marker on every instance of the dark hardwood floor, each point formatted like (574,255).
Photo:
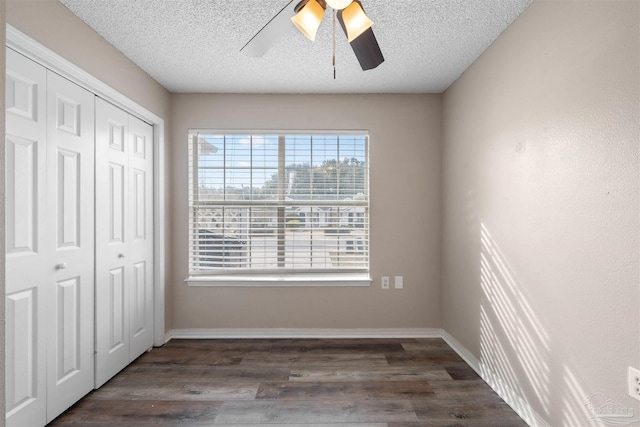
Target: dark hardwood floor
(295,382)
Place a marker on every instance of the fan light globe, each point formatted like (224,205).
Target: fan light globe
(339,4)
(355,21)
(308,19)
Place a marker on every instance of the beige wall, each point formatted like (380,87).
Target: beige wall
(54,26)
(405,213)
(2,211)
(541,212)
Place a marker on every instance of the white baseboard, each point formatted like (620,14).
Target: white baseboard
(267,333)
(515,401)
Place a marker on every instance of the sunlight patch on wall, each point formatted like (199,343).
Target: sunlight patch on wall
(514,344)
(574,410)
(515,354)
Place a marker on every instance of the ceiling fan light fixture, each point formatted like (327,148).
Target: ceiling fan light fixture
(308,17)
(339,4)
(356,21)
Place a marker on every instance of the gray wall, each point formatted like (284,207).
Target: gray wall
(541,213)
(2,211)
(405,213)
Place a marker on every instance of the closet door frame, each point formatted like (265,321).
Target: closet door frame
(28,47)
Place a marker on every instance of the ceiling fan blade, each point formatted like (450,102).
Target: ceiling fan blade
(273,31)
(365,46)
(367,50)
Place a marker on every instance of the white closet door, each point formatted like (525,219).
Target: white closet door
(140,248)
(28,265)
(70,217)
(112,304)
(50,243)
(124,245)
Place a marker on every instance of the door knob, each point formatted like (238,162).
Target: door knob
(61,266)
(120,255)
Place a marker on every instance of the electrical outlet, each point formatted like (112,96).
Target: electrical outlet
(633,379)
(399,283)
(385,282)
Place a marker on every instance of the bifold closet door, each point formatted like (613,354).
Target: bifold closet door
(124,239)
(50,243)
(28,262)
(70,213)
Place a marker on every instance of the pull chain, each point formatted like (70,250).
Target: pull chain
(334,44)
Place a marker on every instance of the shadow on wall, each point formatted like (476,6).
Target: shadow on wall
(516,354)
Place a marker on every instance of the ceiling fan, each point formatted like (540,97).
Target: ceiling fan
(307,15)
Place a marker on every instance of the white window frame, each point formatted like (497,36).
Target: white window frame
(277,278)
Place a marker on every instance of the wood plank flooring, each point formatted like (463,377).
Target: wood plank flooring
(295,382)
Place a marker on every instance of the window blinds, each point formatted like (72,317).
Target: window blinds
(279,203)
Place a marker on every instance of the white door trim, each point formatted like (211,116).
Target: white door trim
(30,48)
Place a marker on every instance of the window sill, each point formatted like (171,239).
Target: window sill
(283,280)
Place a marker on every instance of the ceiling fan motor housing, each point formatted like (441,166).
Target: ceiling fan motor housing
(339,4)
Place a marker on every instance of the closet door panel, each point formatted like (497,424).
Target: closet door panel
(22,189)
(141,235)
(70,201)
(116,202)
(113,265)
(25,385)
(28,260)
(117,336)
(68,323)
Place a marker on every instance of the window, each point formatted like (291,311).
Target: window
(278,205)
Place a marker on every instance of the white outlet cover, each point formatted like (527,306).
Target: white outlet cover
(385,282)
(633,380)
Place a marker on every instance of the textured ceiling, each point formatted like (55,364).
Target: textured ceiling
(194,45)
